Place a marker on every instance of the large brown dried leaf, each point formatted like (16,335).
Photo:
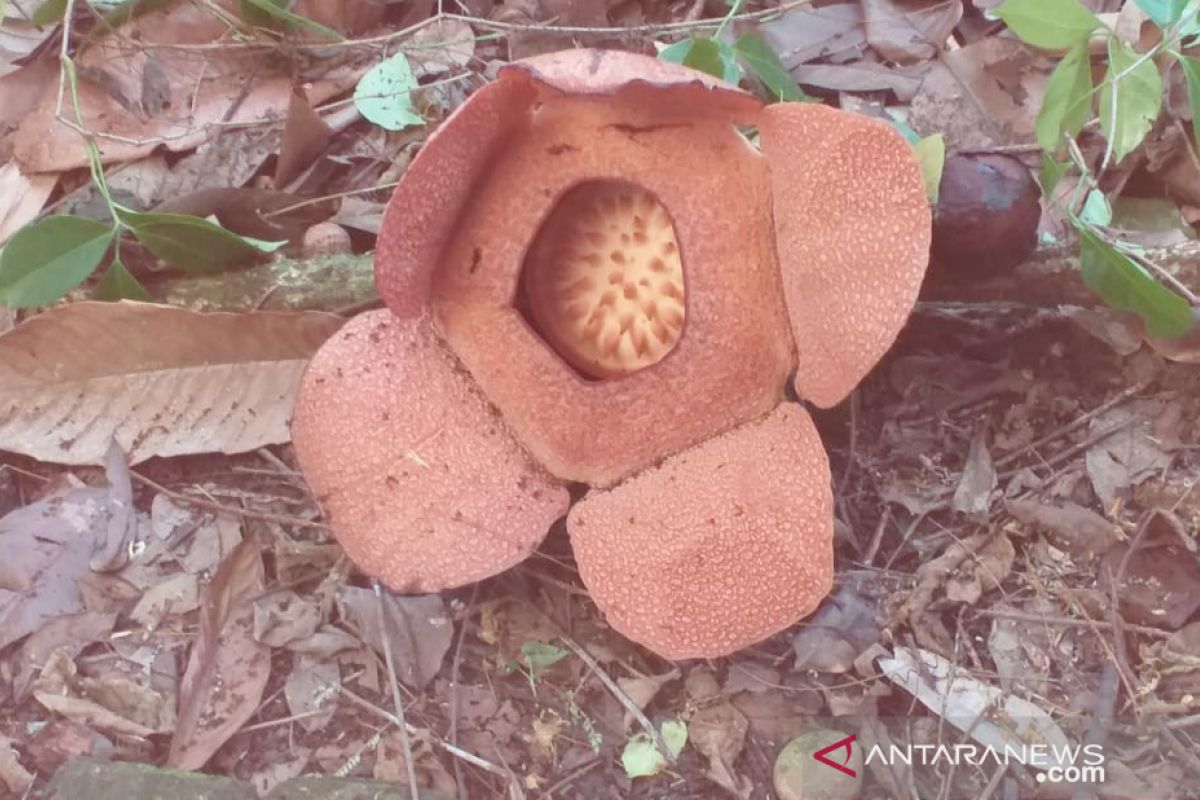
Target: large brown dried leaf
(983,95)
(146,96)
(163,381)
(228,669)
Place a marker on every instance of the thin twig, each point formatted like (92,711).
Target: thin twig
(414,788)
(457,752)
(618,693)
(245,513)
(454,667)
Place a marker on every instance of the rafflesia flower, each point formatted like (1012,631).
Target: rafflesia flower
(592,276)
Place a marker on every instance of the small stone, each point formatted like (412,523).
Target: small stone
(800,775)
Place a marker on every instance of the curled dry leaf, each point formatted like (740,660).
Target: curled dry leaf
(965,570)
(160,380)
(73,631)
(12,774)
(1078,530)
(984,712)
(719,732)
(112,703)
(227,670)
(973,495)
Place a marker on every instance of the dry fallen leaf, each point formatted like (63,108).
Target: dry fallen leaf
(834,32)
(718,731)
(642,688)
(50,546)
(311,690)
(73,631)
(973,495)
(194,98)
(161,380)
(908,31)
(982,711)
(983,95)
(21,197)
(12,774)
(419,630)
(227,670)
(1070,527)
(112,702)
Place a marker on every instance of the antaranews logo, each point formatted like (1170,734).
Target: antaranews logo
(847,744)
(844,760)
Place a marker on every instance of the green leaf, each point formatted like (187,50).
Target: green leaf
(707,55)
(931,155)
(270,9)
(384,94)
(49,12)
(1128,106)
(118,283)
(674,734)
(1123,283)
(1165,13)
(1096,210)
(1068,101)
(641,759)
(46,259)
(1048,24)
(1052,172)
(540,656)
(763,62)
(1191,71)
(188,242)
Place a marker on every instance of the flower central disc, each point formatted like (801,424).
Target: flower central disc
(604,280)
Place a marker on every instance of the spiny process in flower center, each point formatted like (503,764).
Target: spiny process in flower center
(605,282)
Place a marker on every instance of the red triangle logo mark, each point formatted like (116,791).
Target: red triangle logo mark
(822,755)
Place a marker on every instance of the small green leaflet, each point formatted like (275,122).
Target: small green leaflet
(270,9)
(539,656)
(1096,210)
(1124,284)
(1048,24)
(188,242)
(641,759)
(707,55)
(1165,13)
(1068,102)
(45,260)
(931,155)
(118,283)
(49,12)
(1191,71)
(1137,96)
(763,62)
(384,94)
